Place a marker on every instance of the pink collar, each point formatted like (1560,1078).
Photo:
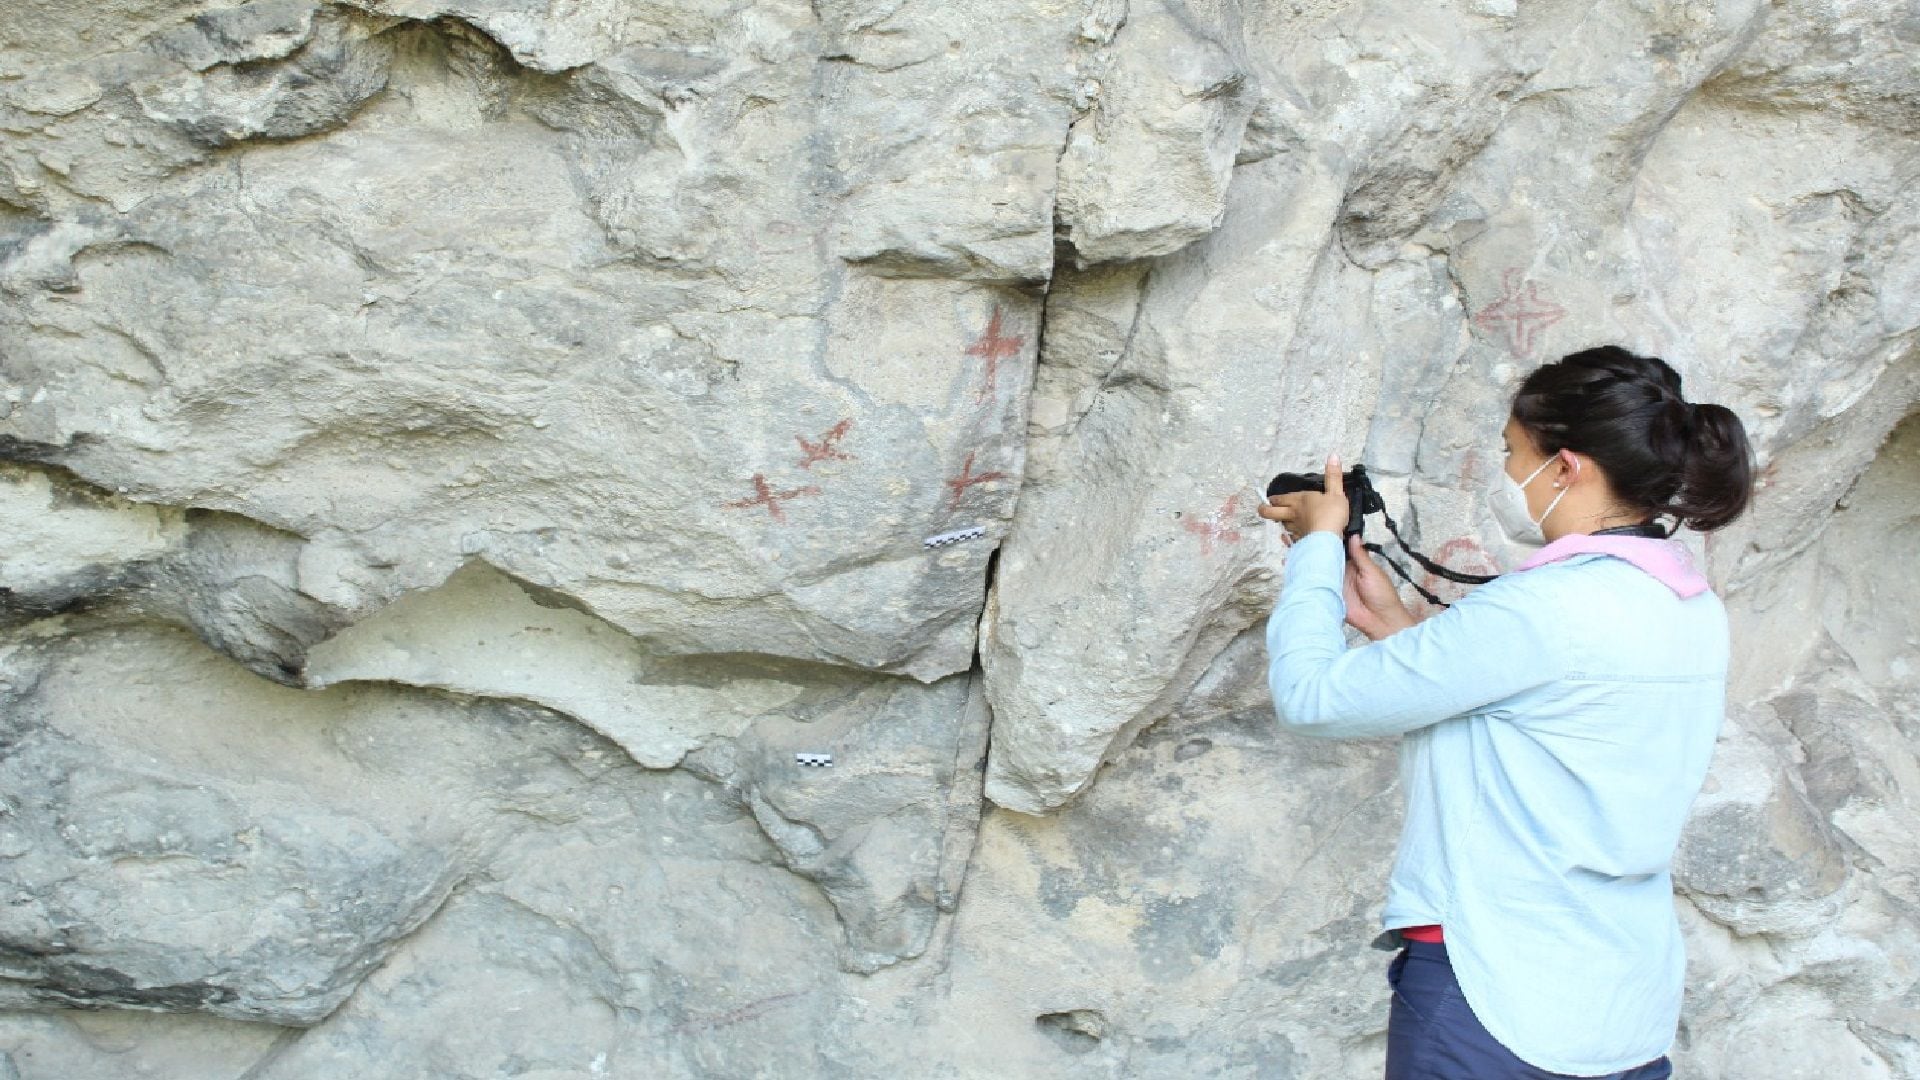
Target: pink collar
(1667,560)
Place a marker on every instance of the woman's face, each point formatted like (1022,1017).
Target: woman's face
(1523,457)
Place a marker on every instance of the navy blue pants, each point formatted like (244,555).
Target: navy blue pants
(1433,1035)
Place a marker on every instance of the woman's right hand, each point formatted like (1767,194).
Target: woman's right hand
(1373,605)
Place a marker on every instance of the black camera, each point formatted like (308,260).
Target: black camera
(1361,498)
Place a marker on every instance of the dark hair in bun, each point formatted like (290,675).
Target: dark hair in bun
(1661,453)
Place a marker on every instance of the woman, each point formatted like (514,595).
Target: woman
(1557,725)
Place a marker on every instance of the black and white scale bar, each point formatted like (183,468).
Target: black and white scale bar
(818,761)
(955,537)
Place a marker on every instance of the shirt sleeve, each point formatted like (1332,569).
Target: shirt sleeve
(1491,645)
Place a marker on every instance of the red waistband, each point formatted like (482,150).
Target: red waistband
(1430,934)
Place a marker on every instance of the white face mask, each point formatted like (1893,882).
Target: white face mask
(1508,501)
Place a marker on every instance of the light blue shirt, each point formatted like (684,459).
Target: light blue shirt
(1557,725)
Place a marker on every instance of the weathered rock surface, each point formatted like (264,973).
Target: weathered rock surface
(886,829)
(458,457)
(632,326)
(179,834)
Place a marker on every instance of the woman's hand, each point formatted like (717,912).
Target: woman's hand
(1304,512)
(1373,604)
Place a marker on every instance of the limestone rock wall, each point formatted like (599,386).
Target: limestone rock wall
(459,457)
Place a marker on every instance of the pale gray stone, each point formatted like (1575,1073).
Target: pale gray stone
(263,30)
(181,835)
(231,581)
(1145,171)
(535,413)
(76,1044)
(1758,856)
(887,829)
(332,75)
(755,538)
(652,937)
(1140,532)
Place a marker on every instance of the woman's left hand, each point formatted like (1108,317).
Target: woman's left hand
(1304,512)
(1373,604)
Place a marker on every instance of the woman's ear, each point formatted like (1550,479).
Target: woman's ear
(1569,468)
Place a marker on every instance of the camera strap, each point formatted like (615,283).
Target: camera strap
(1364,499)
(1428,564)
(1425,594)
(1646,529)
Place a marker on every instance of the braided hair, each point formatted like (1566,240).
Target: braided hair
(1662,454)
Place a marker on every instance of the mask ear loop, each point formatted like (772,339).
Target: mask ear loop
(1564,488)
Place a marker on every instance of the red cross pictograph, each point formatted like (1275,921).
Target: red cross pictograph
(764,495)
(1521,313)
(827,449)
(968,478)
(994,346)
(1216,527)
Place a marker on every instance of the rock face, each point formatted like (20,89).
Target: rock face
(257,866)
(466,466)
